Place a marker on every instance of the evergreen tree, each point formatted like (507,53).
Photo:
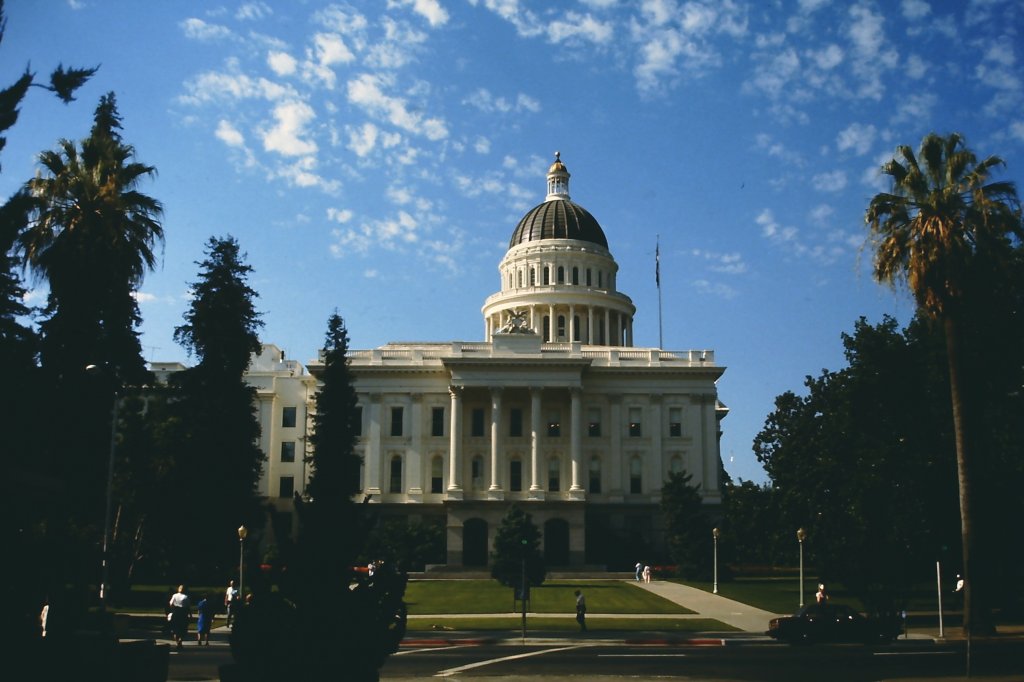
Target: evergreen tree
(326,617)
(688,529)
(516,539)
(213,431)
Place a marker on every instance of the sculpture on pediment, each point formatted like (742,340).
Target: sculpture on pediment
(516,324)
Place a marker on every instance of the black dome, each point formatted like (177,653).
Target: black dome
(558,219)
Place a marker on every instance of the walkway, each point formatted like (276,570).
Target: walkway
(707,605)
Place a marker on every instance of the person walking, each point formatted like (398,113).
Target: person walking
(581,610)
(639,570)
(180,612)
(205,621)
(231,602)
(647,574)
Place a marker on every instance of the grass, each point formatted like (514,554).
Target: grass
(535,623)
(487,596)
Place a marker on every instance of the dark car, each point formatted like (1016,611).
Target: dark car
(832,623)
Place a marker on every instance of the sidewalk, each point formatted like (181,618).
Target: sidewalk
(707,605)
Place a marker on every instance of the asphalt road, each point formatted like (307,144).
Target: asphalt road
(735,662)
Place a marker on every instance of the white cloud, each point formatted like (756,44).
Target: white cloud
(1017,130)
(339,215)
(724,263)
(431,10)
(827,58)
(286,137)
(367,91)
(856,137)
(833,181)
(362,139)
(915,107)
(575,27)
(388,234)
(764,142)
(281,63)
(214,86)
(707,288)
(229,135)
(253,10)
(482,145)
(916,9)
(197,29)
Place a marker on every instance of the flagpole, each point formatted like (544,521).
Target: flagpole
(657,281)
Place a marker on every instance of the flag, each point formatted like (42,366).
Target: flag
(657,265)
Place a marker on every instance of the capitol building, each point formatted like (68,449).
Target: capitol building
(555,410)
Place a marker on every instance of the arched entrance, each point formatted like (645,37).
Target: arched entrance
(474,543)
(556,542)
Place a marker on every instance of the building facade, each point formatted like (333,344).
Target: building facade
(555,410)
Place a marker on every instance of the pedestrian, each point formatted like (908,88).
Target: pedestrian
(581,610)
(821,596)
(647,574)
(203,624)
(44,615)
(180,612)
(639,570)
(231,601)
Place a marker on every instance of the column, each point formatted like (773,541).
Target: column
(413,459)
(536,492)
(590,325)
(552,325)
(495,435)
(572,323)
(373,448)
(575,433)
(616,466)
(455,445)
(656,466)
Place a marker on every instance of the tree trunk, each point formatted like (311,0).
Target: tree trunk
(974,621)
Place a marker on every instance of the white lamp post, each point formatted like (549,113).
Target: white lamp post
(801,535)
(242,532)
(714,534)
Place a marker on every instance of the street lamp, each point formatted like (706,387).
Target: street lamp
(801,535)
(242,532)
(714,534)
(105,559)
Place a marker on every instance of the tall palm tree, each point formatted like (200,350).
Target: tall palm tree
(91,236)
(942,219)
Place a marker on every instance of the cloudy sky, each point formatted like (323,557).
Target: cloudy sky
(375,156)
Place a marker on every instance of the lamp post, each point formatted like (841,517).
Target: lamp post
(801,535)
(105,558)
(242,532)
(714,534)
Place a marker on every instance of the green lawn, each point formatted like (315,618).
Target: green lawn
(487,596)
(514,624)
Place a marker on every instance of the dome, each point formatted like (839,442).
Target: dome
(558,219)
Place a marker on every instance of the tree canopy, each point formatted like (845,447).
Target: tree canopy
(516,539)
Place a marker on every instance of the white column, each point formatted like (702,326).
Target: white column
(656,467)
(455,444)
(495,435)
(535,441)
(590,324)
(575,433)
(572,323)
(552,325)
(616,467)
(608,328)
(373,448)
(413,463)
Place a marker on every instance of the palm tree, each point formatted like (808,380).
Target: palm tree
(942,219)
(91,236)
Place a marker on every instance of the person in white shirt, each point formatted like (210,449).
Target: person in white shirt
(180,608)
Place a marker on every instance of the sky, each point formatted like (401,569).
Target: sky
(375,156)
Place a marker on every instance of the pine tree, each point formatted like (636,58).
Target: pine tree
(517,538)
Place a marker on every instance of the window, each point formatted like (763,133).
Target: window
(635,476)
(357,420)
(288,418)
(436,474)
(635,430)
(554,424)
(286,488)
(437,421)
(554,474)
(520,273)
(588,277)
(288,451)
(561,275)
(675,465)
(594,422)
(595,475)
(476,428)
(547,328)
(576,328)
(515,423)
(533,277)
(561,326)
(675,422)
(575,275)
(395,479)
(547,275)
(396,420)
(515,475)
(600,277)
(477,472)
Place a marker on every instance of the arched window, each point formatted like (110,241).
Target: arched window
(635,476)
(520,273)
(515,475)
(595,474)
(533,277)
(561,326)
(561,275)
(589,282)
(575,275)
(600,278)
(675,465)
(395,485)
(576,328)
(554,474)
(436,475)
(547,275)
(547,329)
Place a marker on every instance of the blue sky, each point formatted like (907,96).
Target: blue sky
(375,156)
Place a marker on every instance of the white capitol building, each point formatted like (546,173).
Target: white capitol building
(555,410)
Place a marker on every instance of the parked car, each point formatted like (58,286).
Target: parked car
(829,622)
